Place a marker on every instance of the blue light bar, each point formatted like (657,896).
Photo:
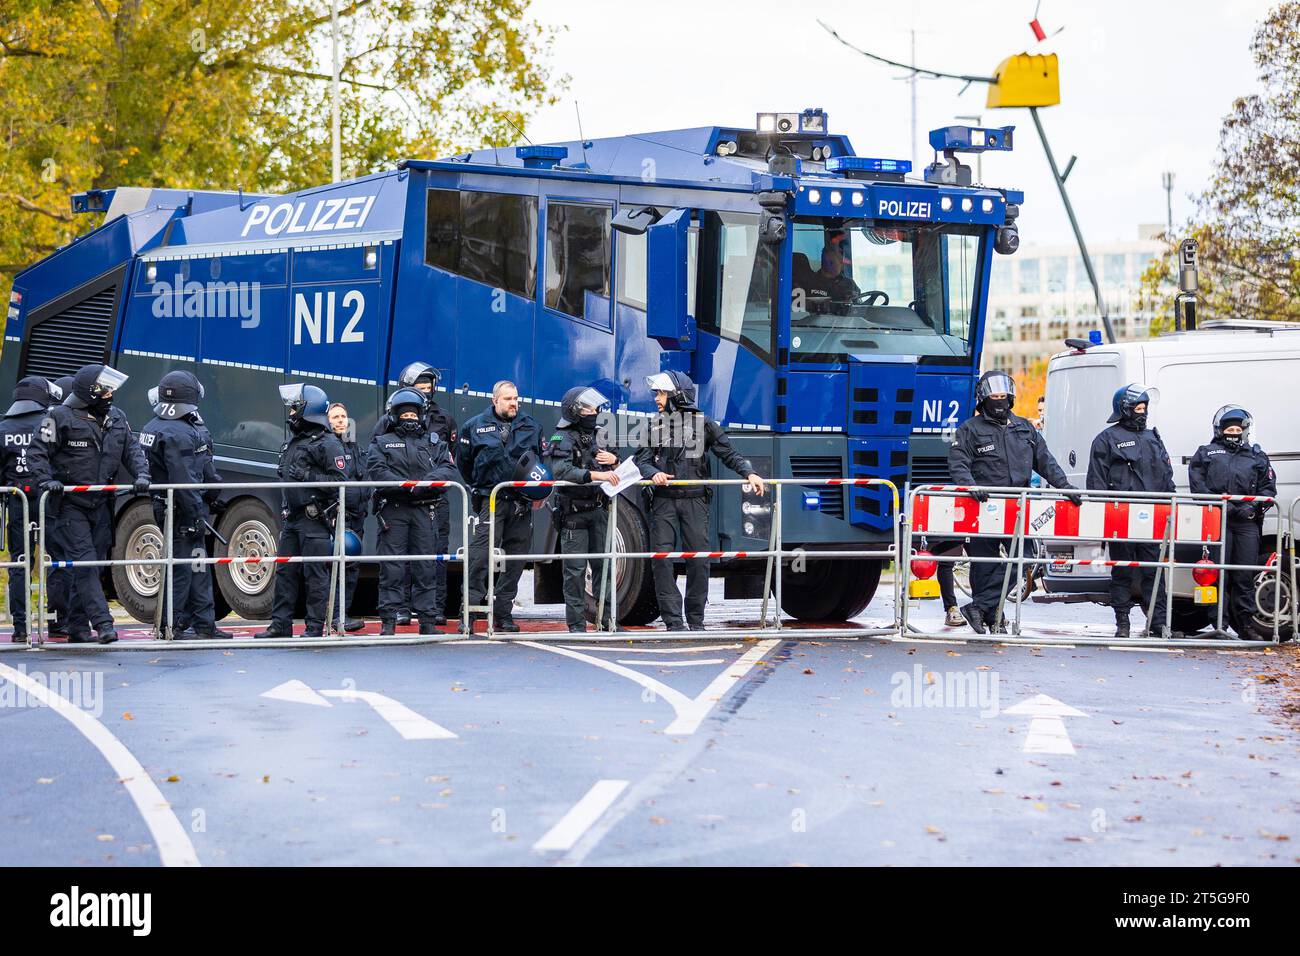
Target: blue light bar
(970,139)
(541,157)
(867,164)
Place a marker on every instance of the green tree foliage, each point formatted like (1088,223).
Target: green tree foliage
(222,94)
(1247,221)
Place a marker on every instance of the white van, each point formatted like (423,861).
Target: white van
(1191,375)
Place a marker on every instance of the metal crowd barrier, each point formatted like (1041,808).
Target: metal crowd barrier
(26,563)
(774,553)
(1017,514)
(335,609)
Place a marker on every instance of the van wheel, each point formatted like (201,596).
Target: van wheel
(637,603)
(830,589)
(252,530)
(137,585)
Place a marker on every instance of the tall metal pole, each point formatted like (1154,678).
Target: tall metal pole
(916,152)
(336,165)
(1074,224)
(1167,180)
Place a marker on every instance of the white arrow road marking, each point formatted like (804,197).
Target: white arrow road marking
(174,846)
(581,816)
(710,648)
(296,692)
(401,718)
(696,663)
(690,711)
(1047,734)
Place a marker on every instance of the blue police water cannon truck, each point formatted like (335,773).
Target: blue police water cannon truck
(830,309)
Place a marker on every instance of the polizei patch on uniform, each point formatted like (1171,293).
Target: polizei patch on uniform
(985,449)
(1126,444)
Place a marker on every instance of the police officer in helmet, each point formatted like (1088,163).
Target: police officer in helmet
(424,378)
(681,439)
(500,444)
(1128,456)
(1231,465)
(581,514)
(32,396)
(407,525)
(996,448)
(87,441)
(358,501)
(179,452)
(312,454)
(61,593)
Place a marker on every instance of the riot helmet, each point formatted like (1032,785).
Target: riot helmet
(996,383)
(1125,402)
(678,386)
(93,387)
(178,395)
(1232,415)
(307,404)
(34,394)
(575,399)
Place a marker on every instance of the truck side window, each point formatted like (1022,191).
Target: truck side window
(577,257)
(741,287)
(632,270)
(487,237)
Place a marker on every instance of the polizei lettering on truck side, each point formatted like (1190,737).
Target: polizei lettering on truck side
(323,215)
(903,209)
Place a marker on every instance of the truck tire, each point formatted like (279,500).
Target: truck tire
(637,603)
(830,589)
(252,530)
(137,536)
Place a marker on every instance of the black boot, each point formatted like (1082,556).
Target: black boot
(474,618)
(19,637)
(107,635)
(973,618)
(429,626)
(403,618)
(507,624)
(1122,630)
(216,634)
(387,627)
(353,624)
(275,631)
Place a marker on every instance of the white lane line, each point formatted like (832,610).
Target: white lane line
(1047,733)
(401,718)
(690,712)
(174,846)
(711,648)
(696,663)
(1146,650)
(581,816)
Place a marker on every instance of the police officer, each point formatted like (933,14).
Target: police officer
(681,438)
(358,502)
(32,396)
(424,378)
(1128,456)
(500,444)
(1231,465)
(581,514)
(409,452)
(60,592)
(179,452)
(86,441)
(1000,450)
(312,454)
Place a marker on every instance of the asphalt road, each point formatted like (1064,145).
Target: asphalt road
(730,751)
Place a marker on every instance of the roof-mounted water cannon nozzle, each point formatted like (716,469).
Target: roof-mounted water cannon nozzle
(951,140)
(811,121)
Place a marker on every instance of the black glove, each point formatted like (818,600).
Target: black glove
(217,506)
(979,495)
(141,486)
(52,486)
(1076,500)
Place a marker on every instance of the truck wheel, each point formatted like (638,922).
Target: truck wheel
(1260,625)
(637,603)
(252,530)
(830,589)
(137,585)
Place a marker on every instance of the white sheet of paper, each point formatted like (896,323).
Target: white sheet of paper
(627,473)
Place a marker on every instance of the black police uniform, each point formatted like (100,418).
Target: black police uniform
(442,425)
(1219,468)
(990,453)
(312,454)
(1126,458)
(581,516)
(490,451)
(31,399)
(85,446)
(180,453)
(406,520)
(680,443)
(60,589)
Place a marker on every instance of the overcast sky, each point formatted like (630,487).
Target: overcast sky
(1144,84)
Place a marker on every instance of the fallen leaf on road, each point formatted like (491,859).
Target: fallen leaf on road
(994,790)
(105,838)
(807,670)
(173,779)
(127,716)
(657,820)
(930,829)
(266,778)
(44,779)
(1136,818)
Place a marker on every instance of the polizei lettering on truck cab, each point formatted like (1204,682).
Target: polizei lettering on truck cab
(323,215)
(903,209)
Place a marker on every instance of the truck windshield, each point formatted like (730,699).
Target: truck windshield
(864,287)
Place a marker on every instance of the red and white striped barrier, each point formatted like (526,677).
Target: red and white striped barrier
(1093,520)
(699,554)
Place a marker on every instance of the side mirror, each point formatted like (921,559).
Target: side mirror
(666,294)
